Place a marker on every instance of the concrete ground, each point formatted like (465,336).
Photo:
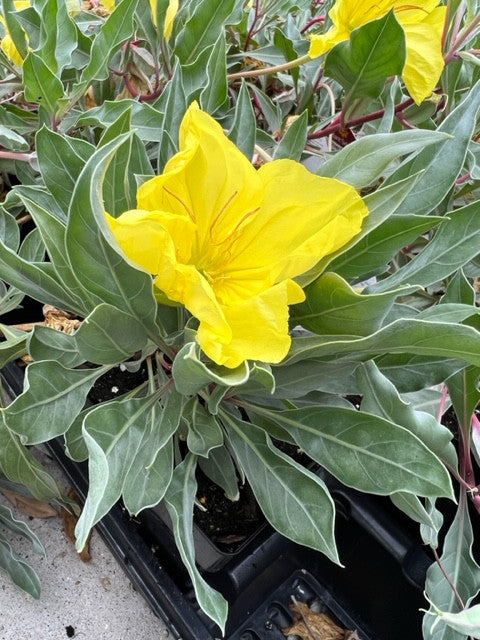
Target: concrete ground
(86,600)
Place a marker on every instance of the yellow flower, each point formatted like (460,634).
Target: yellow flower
(422,23)
(170,14)
(7,44)
(226,240)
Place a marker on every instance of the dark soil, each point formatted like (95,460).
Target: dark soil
(226,523)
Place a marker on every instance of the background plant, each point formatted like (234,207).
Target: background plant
(95,109)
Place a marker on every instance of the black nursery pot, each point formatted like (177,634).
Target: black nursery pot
(378,592)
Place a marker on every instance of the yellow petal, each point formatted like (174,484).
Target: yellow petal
(7,44)
(153,7)
(169,18)
(320,44)
(303,218)
(424,63)
(109,5)
(11,50)
(146,238)
(187,285)
(259,328)
(423,25)
(347,15)
(209,179)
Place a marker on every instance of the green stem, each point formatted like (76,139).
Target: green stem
(265,71)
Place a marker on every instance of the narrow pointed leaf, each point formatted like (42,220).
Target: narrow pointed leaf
(52,397)
(366,159)
(19,465)
(438,176)
(462,570)
(454,244)
(179,502)
(113,433)
(294,500)
(381,398)
(364,451)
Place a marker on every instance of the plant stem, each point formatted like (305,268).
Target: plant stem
(448,579)
(15,155)
(336,126)
(265,71)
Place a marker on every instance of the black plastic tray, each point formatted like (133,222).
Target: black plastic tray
(378,593)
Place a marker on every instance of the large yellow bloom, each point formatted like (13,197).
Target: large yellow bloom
(7,44)
(422,23)
(226,240)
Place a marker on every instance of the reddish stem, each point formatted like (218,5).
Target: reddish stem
(311,22)
(336,126)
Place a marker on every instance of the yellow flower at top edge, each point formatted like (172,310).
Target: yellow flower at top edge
(422,22)
(7,44)
(170,14)
(226,240)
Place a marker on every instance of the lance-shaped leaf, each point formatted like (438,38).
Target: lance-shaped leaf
(9,230)
(105,274)
(20,528)
(19,465)
(42,86)
(113,433)
(430,518)
(243,131)
(381,398)
(51,226)
(333,307)
(366,159)
(46,343)
(410,372)
(173,103)
(462,570)
(465,394)
(179,502)
(204,431)
(118,28)
(202,28)
(374,251)
(131,160)
(147,121)
(58,35)
(294,140)
(220,469)
(109,336)
(14,346)
(215,91)
(402,336)
(454,244)
(151,470)
(191,374)
(438,176)
(466,622)
(364,451)
(374,52)
(9,139)
(294,500)
(19,570)
(52,397)
(61,160)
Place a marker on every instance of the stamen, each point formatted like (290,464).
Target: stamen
(407,7)
(234,234)
(222,211)
(184,205)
